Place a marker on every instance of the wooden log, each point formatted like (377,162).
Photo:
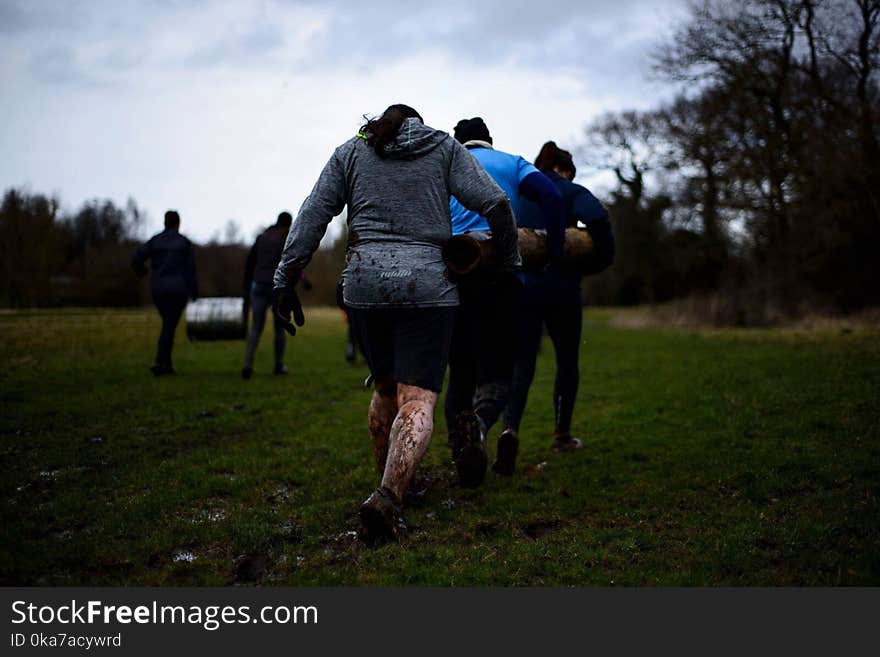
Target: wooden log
(533,247)
(468,252)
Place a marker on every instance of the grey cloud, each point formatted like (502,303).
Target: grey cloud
(241,48)
(603,40)
(12,18)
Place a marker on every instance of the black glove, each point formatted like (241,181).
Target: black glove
(284,302)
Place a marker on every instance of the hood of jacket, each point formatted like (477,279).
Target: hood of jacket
(414,140)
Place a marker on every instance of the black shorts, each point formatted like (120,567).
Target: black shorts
(406,345)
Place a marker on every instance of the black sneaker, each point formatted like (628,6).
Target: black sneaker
(380,516)
(247,372)
(565,444)
(505,458)
(471,460)
(280,370)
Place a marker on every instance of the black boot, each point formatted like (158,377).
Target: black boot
(471,461)
(380,516)
(505,458)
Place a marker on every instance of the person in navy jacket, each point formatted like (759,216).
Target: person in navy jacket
(172,282)
(552,298)
(483,353)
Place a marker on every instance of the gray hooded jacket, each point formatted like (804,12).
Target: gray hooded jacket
(398,217)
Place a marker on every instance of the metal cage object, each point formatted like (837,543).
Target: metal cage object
(216,318)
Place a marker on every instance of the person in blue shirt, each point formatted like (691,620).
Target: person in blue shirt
(552,298)
(483,349)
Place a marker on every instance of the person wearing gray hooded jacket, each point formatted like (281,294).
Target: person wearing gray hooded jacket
(396,177)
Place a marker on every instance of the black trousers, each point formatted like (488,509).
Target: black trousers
(483,351)
(563,322)
(261,303)
(170,307)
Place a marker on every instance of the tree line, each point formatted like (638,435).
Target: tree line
(757,187)
(52,258)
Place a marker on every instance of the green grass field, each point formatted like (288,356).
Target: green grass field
(711,457)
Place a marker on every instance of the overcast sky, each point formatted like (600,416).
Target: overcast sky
(229,109)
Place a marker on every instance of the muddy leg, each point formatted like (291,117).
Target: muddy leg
(410,436)
(383,410)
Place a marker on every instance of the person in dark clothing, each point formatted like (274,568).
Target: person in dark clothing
(552,298)
(173,281)
(259,272)
(483,351)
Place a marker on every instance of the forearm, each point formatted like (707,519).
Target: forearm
(602,255)
(326,200)
(503,227)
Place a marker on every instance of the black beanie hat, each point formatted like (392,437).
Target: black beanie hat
(469,129)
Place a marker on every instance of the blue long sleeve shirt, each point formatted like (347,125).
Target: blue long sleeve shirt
(521,182)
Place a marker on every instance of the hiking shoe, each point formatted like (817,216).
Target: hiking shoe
(505,457)
(280,370)
(247,372)
(565,444)
(380,516)
(471,460)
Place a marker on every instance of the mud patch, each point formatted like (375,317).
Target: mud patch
(419,488)
(282,493)
(250,568)
(486,528)
(538,528)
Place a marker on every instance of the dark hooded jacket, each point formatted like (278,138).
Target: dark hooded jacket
(264,257)
(556,285)
(173,264)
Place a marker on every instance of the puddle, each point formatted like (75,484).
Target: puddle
(539,528)
(282,493)
(184,556)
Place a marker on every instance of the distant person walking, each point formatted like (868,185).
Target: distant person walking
(259,272)
(552,299)
(396,177)
(172,281)
(484,347)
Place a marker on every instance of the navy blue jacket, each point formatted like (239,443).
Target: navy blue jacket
(263,259)
(554,285)
(173,264)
